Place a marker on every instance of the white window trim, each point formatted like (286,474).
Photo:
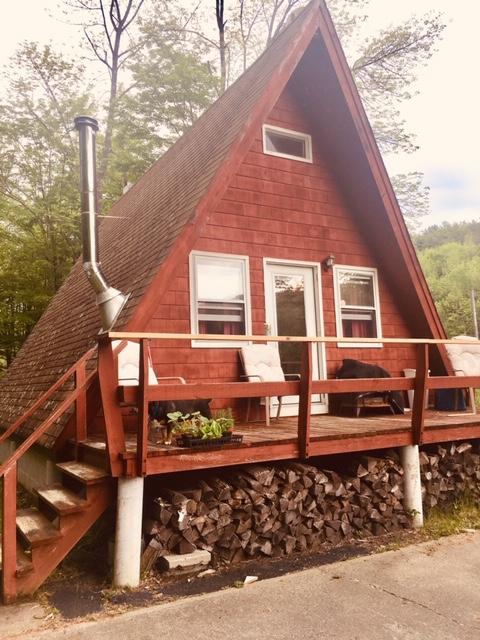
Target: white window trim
(291,134)
(319,318)
(371,271)
(218,344)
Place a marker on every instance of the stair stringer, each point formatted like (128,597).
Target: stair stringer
(72,528)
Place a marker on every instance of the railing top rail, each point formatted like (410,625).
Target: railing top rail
(132,335)
(39,432)
(46,396)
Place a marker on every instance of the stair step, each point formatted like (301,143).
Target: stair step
(35,528)
(24,562)
(62,500)
(86,473)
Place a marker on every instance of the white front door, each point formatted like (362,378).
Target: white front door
(293,308)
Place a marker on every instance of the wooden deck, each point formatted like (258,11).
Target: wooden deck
(329,435)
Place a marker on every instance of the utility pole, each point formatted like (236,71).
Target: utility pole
(474,312)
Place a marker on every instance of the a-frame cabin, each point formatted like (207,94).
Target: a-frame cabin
(275,206)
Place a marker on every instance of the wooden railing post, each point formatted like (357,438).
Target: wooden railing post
(9,534)
(81,403)
(108,380)
(305,400)
(421,378)
(142,433)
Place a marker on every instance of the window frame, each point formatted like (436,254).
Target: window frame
(371,271)
(218,344)
(290,133)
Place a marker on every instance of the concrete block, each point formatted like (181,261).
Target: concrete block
(177,561)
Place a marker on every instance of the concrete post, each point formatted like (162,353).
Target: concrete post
(412,490)
(128,533)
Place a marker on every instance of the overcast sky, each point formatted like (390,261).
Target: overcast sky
(445,114)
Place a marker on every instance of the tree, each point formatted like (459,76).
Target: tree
(39,202)
(412,196)
(438,234)
(171,88)
(221,23)
(384,67)
(452,271)
(106,30)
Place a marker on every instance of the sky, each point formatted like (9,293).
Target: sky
(444,115)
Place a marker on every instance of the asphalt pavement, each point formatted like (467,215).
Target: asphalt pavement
(421,592)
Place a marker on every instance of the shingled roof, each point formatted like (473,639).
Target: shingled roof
(161,214)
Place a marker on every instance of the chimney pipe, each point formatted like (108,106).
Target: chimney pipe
(109,300)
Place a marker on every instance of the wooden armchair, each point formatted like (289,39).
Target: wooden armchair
(261,362)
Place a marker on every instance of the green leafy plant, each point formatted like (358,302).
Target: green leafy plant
(198,426)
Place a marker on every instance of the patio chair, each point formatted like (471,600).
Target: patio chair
(128,356)
(261,362)
(465,359)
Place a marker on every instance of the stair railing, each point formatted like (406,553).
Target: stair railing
(8,470)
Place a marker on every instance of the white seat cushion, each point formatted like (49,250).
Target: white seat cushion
(128,365)
(465,358)
(262,360)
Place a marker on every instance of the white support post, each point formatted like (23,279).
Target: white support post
(128,533)
(412,486)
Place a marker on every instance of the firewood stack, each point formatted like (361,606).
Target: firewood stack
(449,471)
(275,510)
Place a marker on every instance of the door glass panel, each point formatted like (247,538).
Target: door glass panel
(290,311)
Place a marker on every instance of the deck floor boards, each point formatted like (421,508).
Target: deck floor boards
(329,434)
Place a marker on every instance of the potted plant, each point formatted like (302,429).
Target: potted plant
(195,430)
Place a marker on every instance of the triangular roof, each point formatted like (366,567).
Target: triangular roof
(158,219)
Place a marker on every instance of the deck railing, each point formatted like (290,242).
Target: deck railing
(304,388)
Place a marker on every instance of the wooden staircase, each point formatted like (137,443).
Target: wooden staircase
(46,533)
(35,540)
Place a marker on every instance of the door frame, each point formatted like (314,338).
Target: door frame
(318,307)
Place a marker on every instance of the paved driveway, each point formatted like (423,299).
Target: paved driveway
(422,592)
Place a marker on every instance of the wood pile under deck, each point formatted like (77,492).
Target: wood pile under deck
(329,435)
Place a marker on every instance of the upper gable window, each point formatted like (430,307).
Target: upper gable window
(286,143)
(357,305)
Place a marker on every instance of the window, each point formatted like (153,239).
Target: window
(219,296)
(287,144)
(357,306)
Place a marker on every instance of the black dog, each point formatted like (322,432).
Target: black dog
(356,369)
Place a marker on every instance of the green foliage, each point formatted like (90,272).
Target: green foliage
(385,71)
(412,196)
(171,87)
(39,201)
(452,271)
(450,257)
(462,232)
(198,426)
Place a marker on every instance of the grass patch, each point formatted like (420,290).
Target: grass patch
(463,514)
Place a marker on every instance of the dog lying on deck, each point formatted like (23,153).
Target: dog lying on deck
(356,369)
(159,428)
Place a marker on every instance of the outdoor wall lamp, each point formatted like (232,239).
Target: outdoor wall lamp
(328,262)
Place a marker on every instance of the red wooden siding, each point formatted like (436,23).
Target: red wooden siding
(283,209)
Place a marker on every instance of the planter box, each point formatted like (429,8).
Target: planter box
(201,443)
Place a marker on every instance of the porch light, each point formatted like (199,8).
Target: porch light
(328,262)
